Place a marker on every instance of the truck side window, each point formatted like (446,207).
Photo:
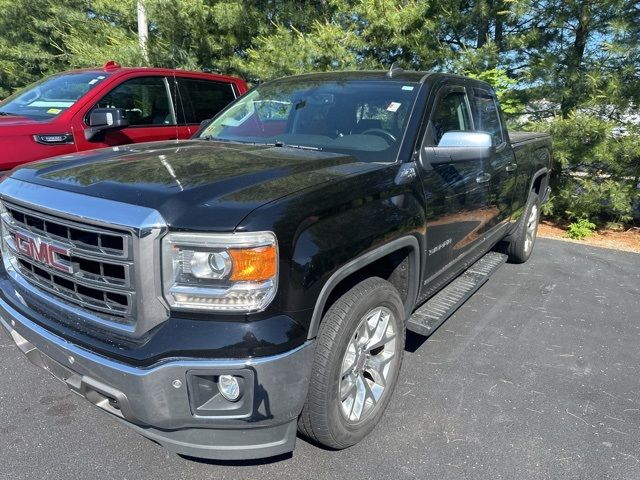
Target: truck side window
(202,99)
(487,118)
(145,99)
(451,113)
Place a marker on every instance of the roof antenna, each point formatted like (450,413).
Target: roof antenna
(394,69)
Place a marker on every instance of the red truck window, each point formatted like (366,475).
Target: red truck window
(202,99)
(145,99)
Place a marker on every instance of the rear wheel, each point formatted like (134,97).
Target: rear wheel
(356,365)
(521,244)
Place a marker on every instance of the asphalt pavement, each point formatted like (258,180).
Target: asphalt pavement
(536,376)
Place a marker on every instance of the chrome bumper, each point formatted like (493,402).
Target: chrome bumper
(157,403)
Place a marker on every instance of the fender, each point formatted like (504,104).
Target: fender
(544,157)
(539,173)
(544,196)
(363,260)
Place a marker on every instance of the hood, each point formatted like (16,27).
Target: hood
(15,121)
(196,184)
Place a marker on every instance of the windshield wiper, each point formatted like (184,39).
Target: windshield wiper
(211,138)
(300,147)
(266,144)
(7,114)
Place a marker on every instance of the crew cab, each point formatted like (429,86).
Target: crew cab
(94,108)
(220,294)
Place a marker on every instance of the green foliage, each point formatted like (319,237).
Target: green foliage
(596,172)
(324,48)
(28,40)
(351,34)
(581,229)
(503,85)
(573,53)
(110,35)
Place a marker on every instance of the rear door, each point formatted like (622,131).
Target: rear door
(456,196)
(150,110)
(201,100)
(500,169)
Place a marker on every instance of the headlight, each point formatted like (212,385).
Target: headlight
(224,272)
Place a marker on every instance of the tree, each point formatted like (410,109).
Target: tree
(28,41)
(352,34)
(596,172)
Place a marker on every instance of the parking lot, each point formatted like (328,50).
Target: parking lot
(536,376)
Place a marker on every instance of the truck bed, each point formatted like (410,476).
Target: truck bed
(518,138)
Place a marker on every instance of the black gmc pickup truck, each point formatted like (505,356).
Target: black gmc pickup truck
(220,294)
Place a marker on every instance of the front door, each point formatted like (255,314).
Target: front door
(455,190)
(150,110)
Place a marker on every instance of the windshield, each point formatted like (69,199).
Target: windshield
(51,96)
(361,118)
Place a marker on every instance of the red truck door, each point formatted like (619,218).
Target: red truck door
(150,108)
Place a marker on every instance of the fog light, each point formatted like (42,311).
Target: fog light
(229,387)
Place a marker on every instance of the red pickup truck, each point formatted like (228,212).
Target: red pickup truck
(94,108)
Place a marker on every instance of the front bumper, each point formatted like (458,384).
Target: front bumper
(158,401)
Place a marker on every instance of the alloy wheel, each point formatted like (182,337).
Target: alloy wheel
(367,364)
(532,226)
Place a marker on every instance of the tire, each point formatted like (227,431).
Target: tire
(523,240)
(372,310)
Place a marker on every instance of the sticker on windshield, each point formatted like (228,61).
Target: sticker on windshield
(50,104)
(91,82)
(54,111)
(393,107)
(407,87)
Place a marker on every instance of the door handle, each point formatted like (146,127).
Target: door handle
(483,178)
(511,167)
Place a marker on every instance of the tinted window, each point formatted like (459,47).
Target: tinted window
(203,99)
(487,118)
(450,114)
(145,100)
(51,96)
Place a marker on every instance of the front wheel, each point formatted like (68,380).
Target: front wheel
(356,365)
(521,244)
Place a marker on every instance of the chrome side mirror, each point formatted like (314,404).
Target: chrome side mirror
(466,139)
(458,146)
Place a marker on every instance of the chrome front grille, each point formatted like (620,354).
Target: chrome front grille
(86,239)
(99,261)
(103,268)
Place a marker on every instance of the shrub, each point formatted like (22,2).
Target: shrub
(581,229)
(596,172)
